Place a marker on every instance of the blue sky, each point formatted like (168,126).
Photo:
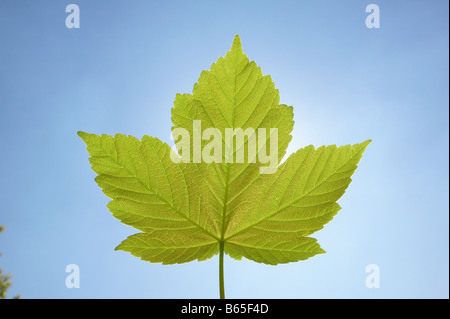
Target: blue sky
(120,71)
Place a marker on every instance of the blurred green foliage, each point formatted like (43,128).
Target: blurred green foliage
(5,280)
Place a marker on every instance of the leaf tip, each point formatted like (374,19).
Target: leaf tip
(120,246)
(83,135)
(237,45)
(366,143)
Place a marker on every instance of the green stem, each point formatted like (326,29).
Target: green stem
(221,281)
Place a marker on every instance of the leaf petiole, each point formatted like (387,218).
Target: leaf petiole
(221,280)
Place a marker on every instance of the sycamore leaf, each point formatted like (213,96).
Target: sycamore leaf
(242,202)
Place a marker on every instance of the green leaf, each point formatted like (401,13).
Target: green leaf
(171,246)
(272,248)
(296,201)
(188,209)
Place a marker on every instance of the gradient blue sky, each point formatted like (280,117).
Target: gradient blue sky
(120,72)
